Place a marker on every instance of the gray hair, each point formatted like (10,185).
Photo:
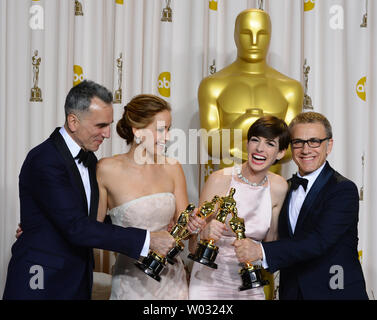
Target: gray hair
(79,97)
(312,117)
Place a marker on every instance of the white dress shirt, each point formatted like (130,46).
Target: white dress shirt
(298,196)
(296,201)
(74,148)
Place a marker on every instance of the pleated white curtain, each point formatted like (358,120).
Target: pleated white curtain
(166,47)
(369,219)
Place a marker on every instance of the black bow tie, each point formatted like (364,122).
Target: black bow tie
(296,181)
(84,157)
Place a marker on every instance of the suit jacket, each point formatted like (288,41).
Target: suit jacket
(58,236)
(320,259)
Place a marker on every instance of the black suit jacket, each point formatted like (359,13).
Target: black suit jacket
(57,233)
(320,259)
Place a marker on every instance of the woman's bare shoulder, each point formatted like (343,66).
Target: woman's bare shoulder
(109,164)
(172,166)
(279,185)
(218,182)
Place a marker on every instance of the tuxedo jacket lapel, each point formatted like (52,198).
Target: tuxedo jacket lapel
(94,194)
(284,214)
(312,196)
(60,144)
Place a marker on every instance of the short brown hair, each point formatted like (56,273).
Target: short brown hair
(312,117)
(139,113)
(270,127)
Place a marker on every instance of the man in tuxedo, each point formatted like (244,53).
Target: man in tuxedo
(317,248)
(53,257)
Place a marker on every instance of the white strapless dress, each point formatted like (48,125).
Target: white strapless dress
(152,212)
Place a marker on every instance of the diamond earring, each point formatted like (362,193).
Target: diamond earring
(137,140)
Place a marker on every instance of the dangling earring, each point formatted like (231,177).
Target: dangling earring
(137,140)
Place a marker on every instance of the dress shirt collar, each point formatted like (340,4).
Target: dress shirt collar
(73,147)
(311,177)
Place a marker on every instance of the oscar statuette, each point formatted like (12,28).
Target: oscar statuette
(206,251)
(36,93)
(78,8)
(118,92)
(206,210)
(250,274)
(154,263)
(307,104)
(179,233)
(167,13)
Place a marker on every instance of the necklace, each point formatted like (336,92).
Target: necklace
(253,184)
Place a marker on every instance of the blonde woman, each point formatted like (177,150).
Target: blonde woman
(143,189)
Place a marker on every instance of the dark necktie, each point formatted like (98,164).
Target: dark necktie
(83,157)
(296,181)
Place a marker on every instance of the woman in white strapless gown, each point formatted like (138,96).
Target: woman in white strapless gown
(144,189)
(152,212)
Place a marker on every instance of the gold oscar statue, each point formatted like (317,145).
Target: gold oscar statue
(36,93)
(205,211)
(208,207)
(307,104)
(361,194)
(207,251)
(118,92)
(179,233)
(154,263)
(250,274)
(364,22)
(212,67)
(167,13)
(78,8)
(235,96)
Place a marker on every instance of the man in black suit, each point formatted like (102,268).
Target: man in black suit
(53,257)
(317,248)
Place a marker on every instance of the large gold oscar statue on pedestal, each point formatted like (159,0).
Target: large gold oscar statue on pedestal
(237,95)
